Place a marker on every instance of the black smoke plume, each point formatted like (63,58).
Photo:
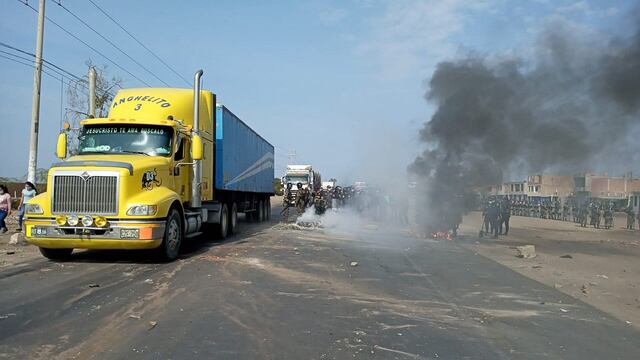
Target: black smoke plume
(573,107)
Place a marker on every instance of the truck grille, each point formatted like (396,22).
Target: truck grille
(84,194)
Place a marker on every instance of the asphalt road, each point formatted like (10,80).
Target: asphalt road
(269,293)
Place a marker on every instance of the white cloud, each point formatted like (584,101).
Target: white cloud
(412,35)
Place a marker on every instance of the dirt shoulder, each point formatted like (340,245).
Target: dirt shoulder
(18,253)
(602,267)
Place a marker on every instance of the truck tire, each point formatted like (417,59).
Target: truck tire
(233,219)
(56,254)
(173,236)
(260,211)
(223,227)
(268,202)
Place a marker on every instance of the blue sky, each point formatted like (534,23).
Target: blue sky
(339,82)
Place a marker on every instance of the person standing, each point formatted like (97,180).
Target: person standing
(28,193)
(5,207)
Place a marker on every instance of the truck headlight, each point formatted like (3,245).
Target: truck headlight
(73,220)
(142,210)
(33,209)
(87,220)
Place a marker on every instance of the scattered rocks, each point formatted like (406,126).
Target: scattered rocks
(584,289)
(148,281)
(152,324)
(526,251)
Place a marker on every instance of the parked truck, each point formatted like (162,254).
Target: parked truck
(164,165)
(303,174)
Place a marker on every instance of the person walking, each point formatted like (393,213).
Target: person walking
(5,207)
(28,193)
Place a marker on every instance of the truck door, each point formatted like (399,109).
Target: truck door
(182,173)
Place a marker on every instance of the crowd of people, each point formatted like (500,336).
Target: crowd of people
(369,201)
(589,212)
(28,192)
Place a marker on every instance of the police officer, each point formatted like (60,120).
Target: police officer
(302,198)
(287,202)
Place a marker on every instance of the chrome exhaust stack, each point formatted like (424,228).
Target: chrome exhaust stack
(196,200)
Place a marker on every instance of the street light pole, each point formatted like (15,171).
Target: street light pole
(35,108)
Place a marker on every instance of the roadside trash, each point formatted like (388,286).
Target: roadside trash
(135,316)
(584,289)
(566,256)
(94,285)
(354,263)
(564,310)
(628,322)
(148,281)
(526,251)
(557,286)
(537,266)
(10,252)
(152,324)
(602,276)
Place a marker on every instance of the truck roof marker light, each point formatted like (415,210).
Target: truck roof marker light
(61,220)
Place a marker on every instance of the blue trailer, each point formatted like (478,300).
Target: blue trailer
(244,159)
(243,172)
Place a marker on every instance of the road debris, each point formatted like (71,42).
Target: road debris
(152,324)
(564,310)
(10,252)
(94,285)
(135,316)
(602,276)
(6,316)
(353,263)
(567,256)
(148,281)
(526,251)
(584,289)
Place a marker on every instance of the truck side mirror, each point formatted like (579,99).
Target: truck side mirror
(61,146)
(196,147)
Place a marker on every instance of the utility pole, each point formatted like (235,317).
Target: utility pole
(92,91)
(292,157)
(35,107)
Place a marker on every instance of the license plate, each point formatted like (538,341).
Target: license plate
(129,233)
(38,231)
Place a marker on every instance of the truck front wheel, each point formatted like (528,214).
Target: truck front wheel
(56,254)
(173,235)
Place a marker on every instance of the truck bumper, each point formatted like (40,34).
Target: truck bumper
(123,235)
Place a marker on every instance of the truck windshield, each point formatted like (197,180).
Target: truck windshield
(125,139)
(294,179)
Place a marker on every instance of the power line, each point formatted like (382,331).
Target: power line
(139,42)
(43,60)
(110,42)
(85,43)
(32,66)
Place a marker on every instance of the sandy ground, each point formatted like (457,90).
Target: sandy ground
(15,254)
(603,269)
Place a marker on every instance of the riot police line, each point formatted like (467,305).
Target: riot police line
(596,213)
(369,201)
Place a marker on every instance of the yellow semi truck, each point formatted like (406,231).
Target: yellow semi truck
(164,165)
